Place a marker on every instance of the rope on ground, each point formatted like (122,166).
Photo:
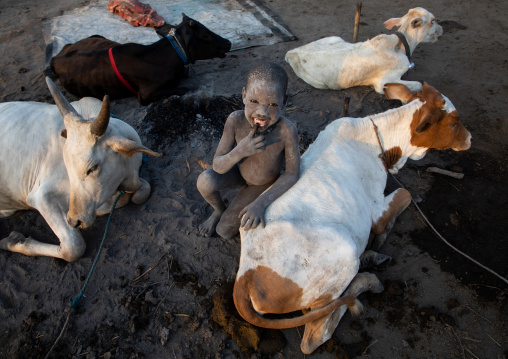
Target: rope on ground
(76,299)
(448,243)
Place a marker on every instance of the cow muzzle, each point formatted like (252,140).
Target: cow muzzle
(74,222)
(79,221)
(466,145)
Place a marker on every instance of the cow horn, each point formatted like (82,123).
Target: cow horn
(63,105)
(99,125)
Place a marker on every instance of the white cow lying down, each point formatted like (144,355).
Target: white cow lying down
(332,63)
(68,162)
(309,252)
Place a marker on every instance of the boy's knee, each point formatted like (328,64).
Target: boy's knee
(205,182)
(226,231)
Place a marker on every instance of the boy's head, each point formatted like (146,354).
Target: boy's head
(265,94)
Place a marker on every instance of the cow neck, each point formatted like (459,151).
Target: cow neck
(403,39)
(117,73)
(392,130)
(177,45)
(382,155)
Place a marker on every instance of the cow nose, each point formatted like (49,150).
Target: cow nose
(73,222)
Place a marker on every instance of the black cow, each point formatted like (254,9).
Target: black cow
(151,71)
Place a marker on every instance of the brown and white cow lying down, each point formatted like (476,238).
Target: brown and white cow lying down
(309,252)
(68,162)
(332,63)
(152,71)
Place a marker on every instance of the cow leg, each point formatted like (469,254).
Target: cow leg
(105,208)
(138,197)
(370,259)
(319,331)
(28,246)
(142,194)
(395,203)
(53,207)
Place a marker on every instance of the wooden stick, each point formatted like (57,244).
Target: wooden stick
(445,172)
(470,352)
(152,267)
(460,342)
(499,345)
(357,21)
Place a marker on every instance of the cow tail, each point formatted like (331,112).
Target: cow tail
(244,306)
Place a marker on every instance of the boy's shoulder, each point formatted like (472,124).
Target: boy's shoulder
(235,119)
(287,124)
(236,115)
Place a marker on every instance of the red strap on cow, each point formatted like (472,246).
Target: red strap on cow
(118,74)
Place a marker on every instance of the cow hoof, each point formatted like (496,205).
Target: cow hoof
(379,240)
(365,282)
(15,239)
(373,259)
(142,194)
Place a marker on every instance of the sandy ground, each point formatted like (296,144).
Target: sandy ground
(436,303)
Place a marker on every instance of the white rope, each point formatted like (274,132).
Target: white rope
(449,244)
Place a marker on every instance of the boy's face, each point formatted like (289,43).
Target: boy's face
(264,102)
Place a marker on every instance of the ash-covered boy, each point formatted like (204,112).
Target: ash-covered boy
(256,145)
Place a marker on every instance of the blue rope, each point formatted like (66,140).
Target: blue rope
(80,295)
(176,45)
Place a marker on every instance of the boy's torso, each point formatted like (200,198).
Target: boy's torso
(263,167)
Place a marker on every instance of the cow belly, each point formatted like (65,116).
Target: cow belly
(30,135)
(309,266)
(321,62)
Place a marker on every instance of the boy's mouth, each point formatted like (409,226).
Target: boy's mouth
(260,122)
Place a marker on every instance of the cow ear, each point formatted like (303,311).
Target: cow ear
(396,91)
(127,147)
(424,124)
(63,133)
(390,23)
(416,23)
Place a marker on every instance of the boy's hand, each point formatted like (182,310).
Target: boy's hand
(252,216)
(250,145)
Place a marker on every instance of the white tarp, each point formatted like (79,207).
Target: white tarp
(245,23)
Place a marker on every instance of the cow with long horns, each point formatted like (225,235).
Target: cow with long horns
(68,162)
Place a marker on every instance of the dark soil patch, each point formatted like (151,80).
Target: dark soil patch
(470,214)
(177,116)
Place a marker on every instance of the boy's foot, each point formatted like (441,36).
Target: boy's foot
(207,228)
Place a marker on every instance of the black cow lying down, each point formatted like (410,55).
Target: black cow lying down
(151,71)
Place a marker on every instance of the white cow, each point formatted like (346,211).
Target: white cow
(68,162)
(332,63)
(310,250)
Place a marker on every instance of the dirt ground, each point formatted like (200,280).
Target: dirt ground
(436,303)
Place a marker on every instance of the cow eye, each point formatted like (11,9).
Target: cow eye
(92,169)
(274,104)
(253,101)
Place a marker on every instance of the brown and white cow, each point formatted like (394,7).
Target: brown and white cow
(309,253)
(332,63)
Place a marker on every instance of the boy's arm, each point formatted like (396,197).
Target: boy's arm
(227,155)
(253,214)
